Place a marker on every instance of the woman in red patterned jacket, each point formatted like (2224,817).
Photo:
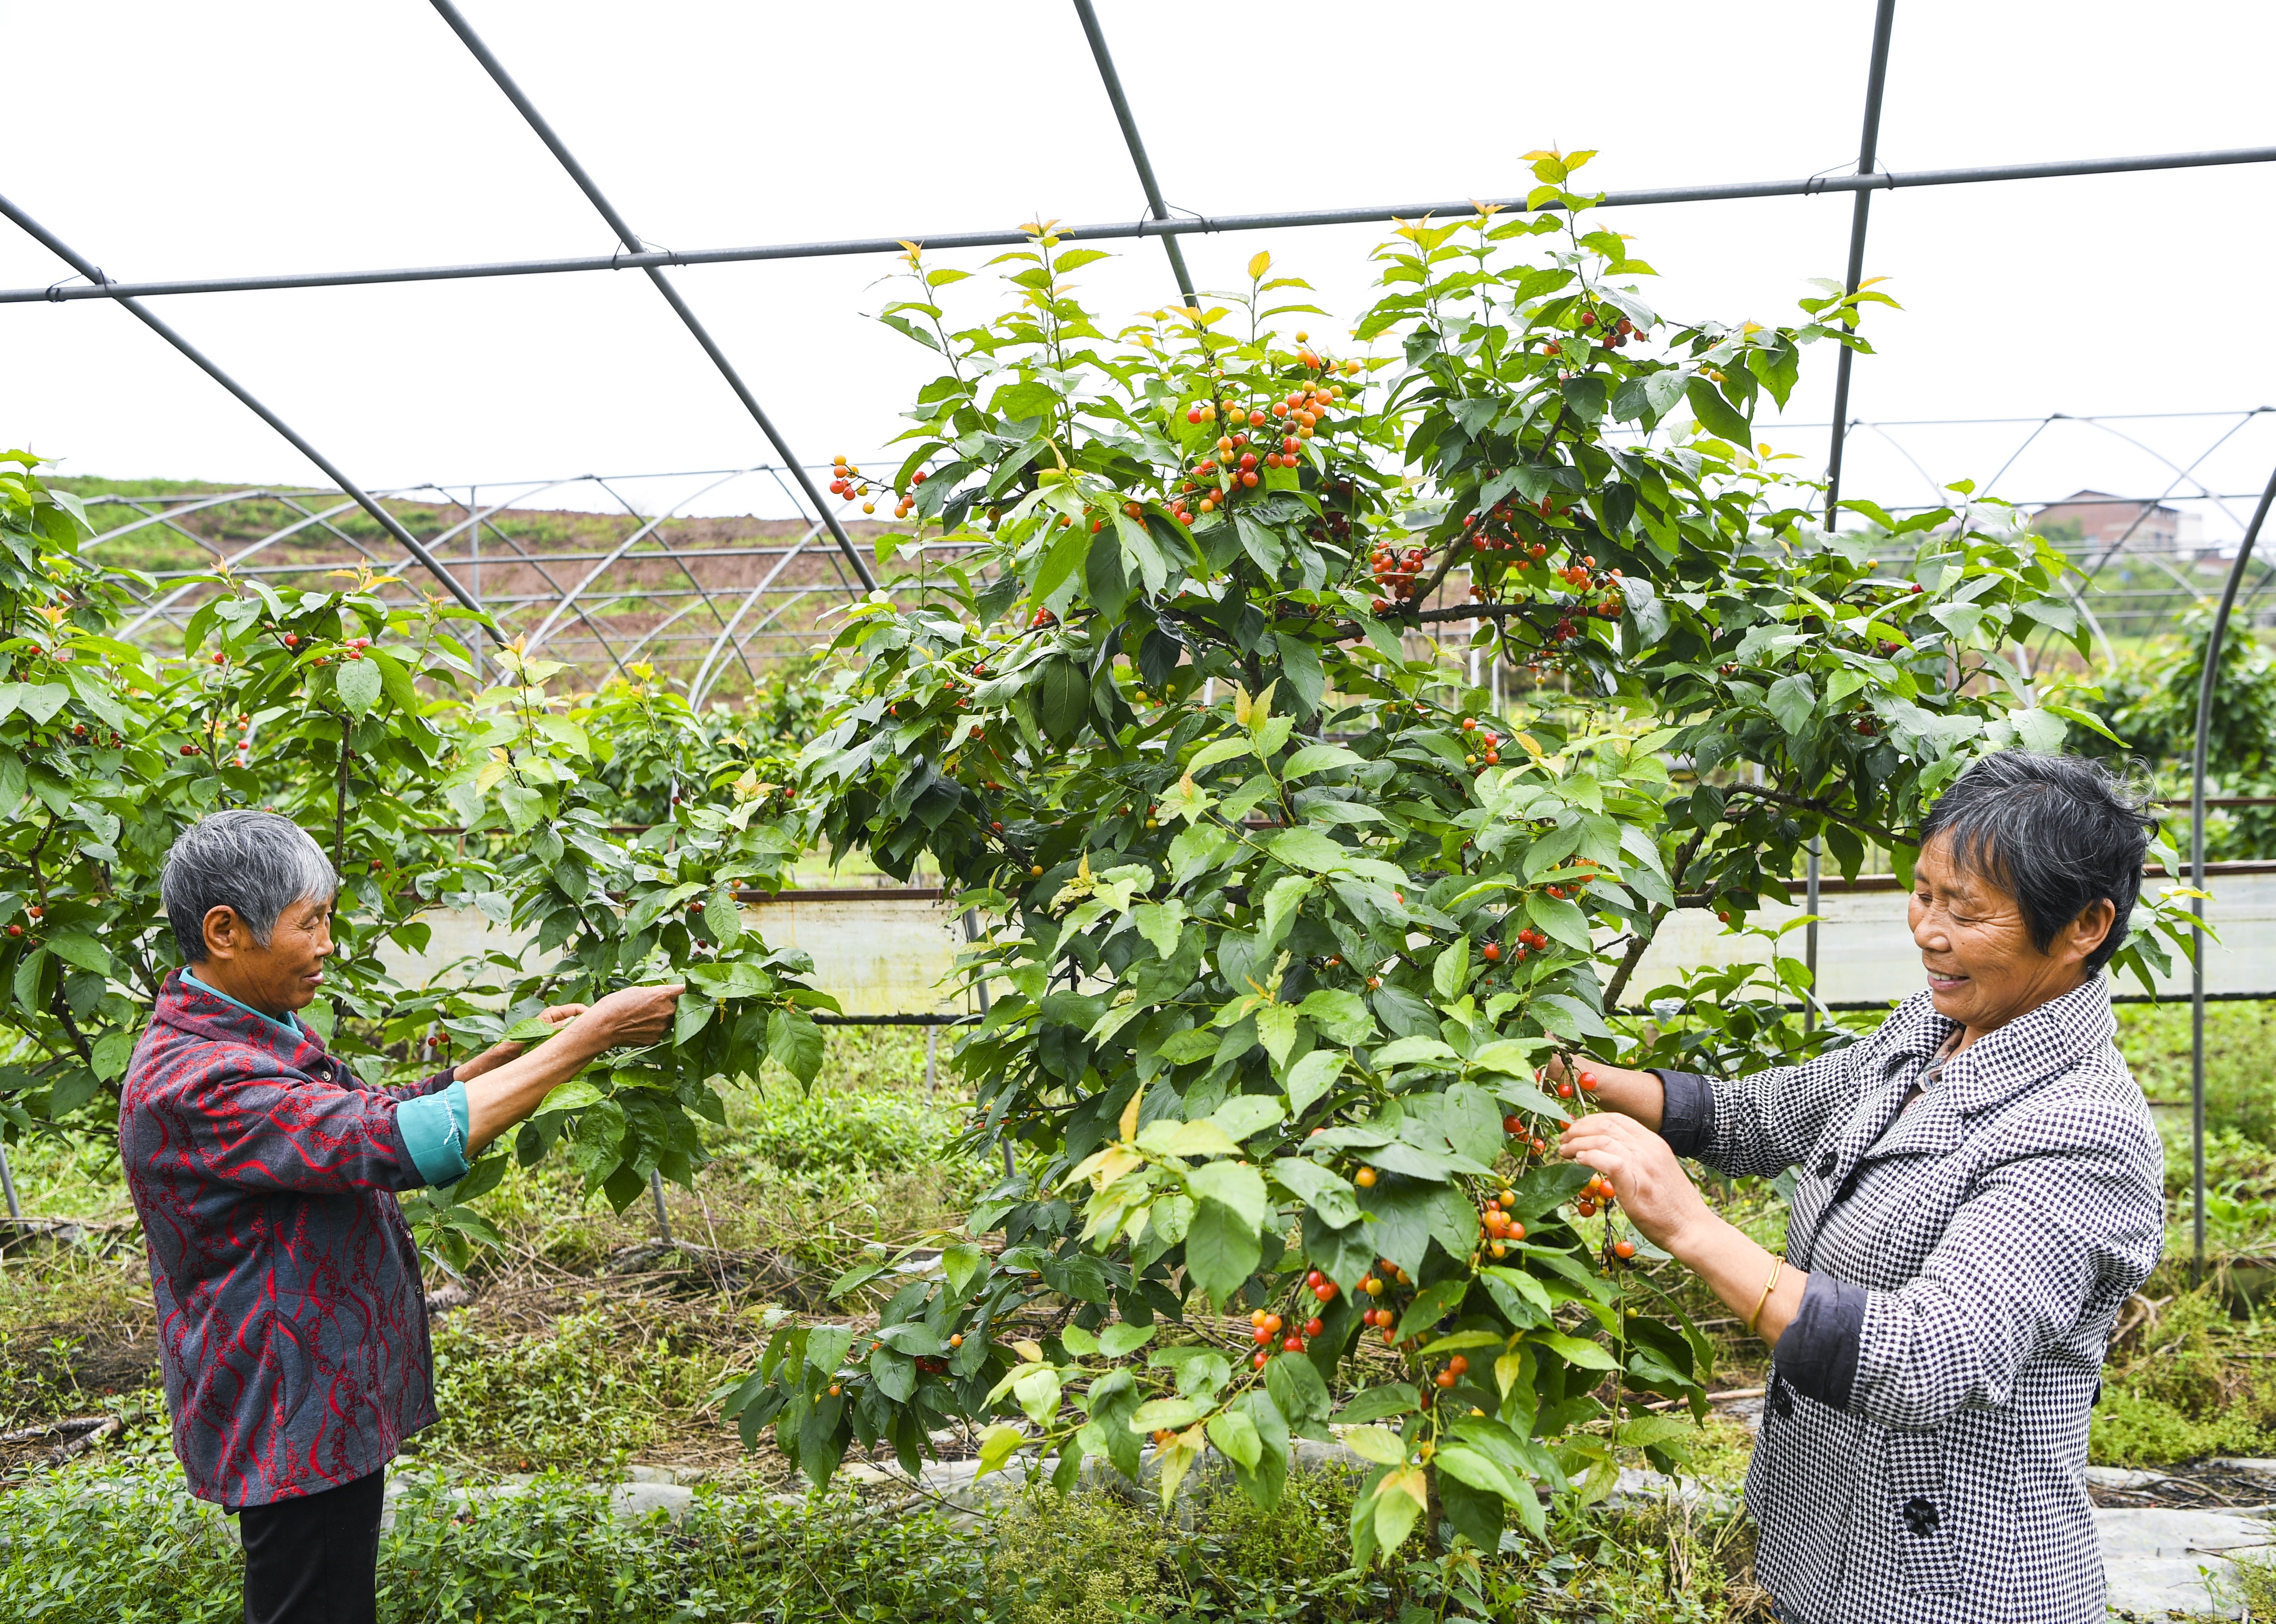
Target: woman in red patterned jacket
(292,1321)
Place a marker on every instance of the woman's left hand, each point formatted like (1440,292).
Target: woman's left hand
(555,1016)
(1646,1179)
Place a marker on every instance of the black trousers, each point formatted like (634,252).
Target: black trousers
(315,1559)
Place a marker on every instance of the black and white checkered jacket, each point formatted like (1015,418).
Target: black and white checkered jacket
(1923,1454)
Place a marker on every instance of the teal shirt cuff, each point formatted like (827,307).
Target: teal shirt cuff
(434,1132)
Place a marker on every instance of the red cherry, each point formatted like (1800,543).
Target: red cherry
(1313,1327)
(1295,1344)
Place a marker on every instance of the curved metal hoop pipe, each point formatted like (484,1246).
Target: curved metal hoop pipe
(697,688)
(658,630)
(148,519)
(188,587)
(536,638)
(380,516)
(679,561)
(2211,675)
(630,238)
(750,637)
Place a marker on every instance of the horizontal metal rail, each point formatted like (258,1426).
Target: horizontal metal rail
(662,553)
(1369,214)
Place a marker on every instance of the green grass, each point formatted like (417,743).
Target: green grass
(2240,1039)
(570,1370)
(137,1550)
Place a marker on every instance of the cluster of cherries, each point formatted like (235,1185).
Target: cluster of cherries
(244,738)
(37,913)
(352,649)
(1267,1328)
(1485,742)
(846,483)
(80,734)
(928,1364)
(1394,570)
(1231,465)
(1383,1316)
(1333,527)
(908,502)
(1614,335)
(1501,1229)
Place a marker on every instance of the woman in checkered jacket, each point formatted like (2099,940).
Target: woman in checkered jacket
(1981,1188)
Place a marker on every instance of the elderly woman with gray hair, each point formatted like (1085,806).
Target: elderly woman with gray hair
(293,1322)
(1980,1191)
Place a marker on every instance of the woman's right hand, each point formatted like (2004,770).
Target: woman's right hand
(1638,1094)
(632,1016)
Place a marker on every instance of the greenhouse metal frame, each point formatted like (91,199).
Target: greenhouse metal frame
(316,511)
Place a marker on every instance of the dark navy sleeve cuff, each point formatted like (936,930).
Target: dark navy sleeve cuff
(1688,1114)
(1816,1353)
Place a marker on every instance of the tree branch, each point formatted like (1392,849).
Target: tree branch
(71,1027)
(340,803)
(1642,939)
(1804,804)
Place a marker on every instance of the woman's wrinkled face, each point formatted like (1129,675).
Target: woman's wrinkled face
(284,975)
(1983,969)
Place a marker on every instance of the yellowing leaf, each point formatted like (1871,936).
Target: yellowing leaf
(1398,1502)
(996,1445)
(1258,264)
(1128,1125)
(1032,1352)
(1379,1445)
(1508,1370)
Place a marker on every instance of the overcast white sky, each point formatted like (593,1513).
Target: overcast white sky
(242,137)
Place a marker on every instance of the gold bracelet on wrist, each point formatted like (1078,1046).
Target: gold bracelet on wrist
(1777,1268)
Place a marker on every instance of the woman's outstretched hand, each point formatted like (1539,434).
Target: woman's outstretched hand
(555,1016)
(1668,1211)
(632,1016)
(1647,1180)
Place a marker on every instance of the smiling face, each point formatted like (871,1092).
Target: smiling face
(283,975)
(1983,969)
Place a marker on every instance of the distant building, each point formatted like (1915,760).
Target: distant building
(2102,521)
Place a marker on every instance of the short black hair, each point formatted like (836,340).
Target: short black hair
(2061,833)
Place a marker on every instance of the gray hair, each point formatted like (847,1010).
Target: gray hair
(258,863)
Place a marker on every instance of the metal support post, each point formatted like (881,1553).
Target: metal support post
(633,245)
(663,1223)
(1868,153)
(932,1059)
(1161,210)
(8,1184)
(2205,680)
(386,520)
(1809,941)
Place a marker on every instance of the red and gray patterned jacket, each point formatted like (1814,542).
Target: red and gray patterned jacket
(293,1326)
